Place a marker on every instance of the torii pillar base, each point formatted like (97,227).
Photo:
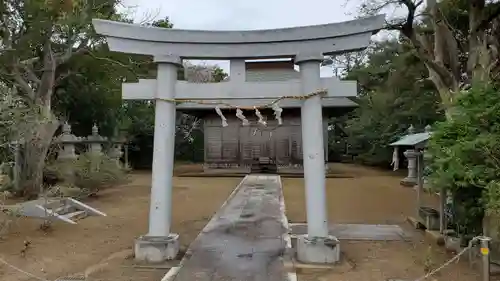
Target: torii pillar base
(318,250)
(156,249)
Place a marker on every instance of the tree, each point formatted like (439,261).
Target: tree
(163,23)
(457,40)
(95,85)
(394,94)
(138,120)
(465,153)
(16,121)
(38,38)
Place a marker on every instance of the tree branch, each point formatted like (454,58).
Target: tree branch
(18,77)
(44,91)
(494,12)
(423,51)
(62,76)
(407,27)
(71,51)
(30,74)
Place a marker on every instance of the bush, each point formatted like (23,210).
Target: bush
(96,172)
(465,157)
(91,172)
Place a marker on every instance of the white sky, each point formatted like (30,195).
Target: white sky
(244,15)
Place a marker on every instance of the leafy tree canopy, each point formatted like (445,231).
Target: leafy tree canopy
(465,155)
(394,95)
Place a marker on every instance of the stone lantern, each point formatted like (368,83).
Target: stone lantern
(67,141)
(115,151)
(94,144)
(95,141)
(414,143)
(66,153)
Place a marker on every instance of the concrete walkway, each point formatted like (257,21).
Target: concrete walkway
(246,240)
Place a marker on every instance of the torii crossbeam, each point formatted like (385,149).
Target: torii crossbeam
(234,90)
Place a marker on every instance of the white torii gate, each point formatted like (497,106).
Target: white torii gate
(307,45)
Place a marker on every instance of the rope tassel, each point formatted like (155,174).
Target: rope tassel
(277,112)
(224,120)
(239,115)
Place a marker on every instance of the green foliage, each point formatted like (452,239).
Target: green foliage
(92,84)
(163,23)
(91,172)
(137,119)
(394,95)
(17,116)
(95,172)
(219,74)
(18,120)
(465,156)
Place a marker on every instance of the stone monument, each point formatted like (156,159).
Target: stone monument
(307,45)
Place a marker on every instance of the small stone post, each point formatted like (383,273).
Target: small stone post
(485,257)
(67,153)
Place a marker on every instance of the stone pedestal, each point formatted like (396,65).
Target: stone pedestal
(156,249)
(411,179)
(321,250)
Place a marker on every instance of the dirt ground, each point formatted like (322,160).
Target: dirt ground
(97,241)
(102,246)
(375,197)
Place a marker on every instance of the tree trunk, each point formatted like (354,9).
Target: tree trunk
(38,144)
(35,153)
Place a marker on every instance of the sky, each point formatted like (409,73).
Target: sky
(243,15)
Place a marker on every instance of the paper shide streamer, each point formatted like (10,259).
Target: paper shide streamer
(239,115)
(219,112)
(277,112)
(261,118)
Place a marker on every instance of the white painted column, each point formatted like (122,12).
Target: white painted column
(313,148)
(160,212)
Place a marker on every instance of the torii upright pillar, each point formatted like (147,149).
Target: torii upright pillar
(160,244)
(317,246)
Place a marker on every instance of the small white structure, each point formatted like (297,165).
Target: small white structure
(306,45)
